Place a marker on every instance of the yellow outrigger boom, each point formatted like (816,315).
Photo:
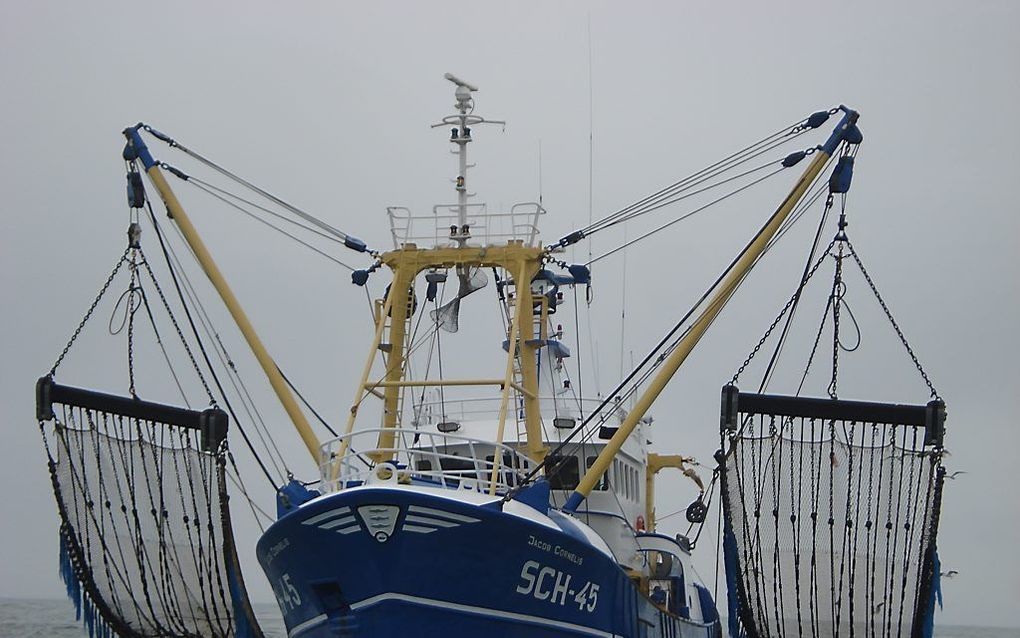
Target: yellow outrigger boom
(177,213)
(726,289)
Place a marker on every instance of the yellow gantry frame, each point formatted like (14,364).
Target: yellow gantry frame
(725,290)
(523,262)
(220,283)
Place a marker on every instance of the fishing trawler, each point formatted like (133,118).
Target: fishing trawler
(454,501)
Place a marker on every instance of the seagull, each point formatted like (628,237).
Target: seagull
(949,574)
(955,474)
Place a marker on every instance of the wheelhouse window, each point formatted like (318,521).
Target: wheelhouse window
(604,479)
(563,472)
(508,468)
(453,464)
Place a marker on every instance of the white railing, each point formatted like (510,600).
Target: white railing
(445,460)
(485,228)
(434,411)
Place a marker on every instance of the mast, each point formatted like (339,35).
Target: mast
(191,236)
(516,256)
(728,286)
(462,137)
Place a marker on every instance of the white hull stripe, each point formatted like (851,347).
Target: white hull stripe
(338,522)
(443,513)
(438,522)
(483,611)
(326,515)
(306,625)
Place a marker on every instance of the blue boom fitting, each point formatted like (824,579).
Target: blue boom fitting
(849,120)
(136,147)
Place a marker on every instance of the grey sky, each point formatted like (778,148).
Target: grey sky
(328,104)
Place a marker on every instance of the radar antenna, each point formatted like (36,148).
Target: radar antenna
(460,134)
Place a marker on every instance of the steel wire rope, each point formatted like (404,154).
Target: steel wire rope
(428,368)
(226,360)
(252,505)
(580,387)
(308,405)
(590,432)
(411,350)
(652,354)
(408,368)
(632,389)
(236,178)
(271,225)
(201,346)
(231,195)
(669,349)
(696,175)
(212,190)
(674,196)
(684,216)
(819,185)
(439,349)
(781,342)
(433,332)
(162,347)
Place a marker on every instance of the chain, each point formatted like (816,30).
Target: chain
(837,300)
(831,520)
(896,327)
(782,313)
(131,321)
(88,314)
(177,327)
(871,474)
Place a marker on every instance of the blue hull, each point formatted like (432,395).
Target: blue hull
(382,561)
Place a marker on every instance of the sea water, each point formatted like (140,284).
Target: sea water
(55,619)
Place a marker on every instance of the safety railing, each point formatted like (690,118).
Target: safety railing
(443,227)
(445,460)
(432,412)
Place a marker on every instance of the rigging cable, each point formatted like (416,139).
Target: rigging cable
(225,196)
(660,346)
(682,194)
(771,367)
(349,240)
(652,354)
(201,347)
(226,360)
(162,347)
(782,231)
(644,377)
(307,404)
(742,156)
(697,177)
(222,191)
(293,237)
(686,215)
